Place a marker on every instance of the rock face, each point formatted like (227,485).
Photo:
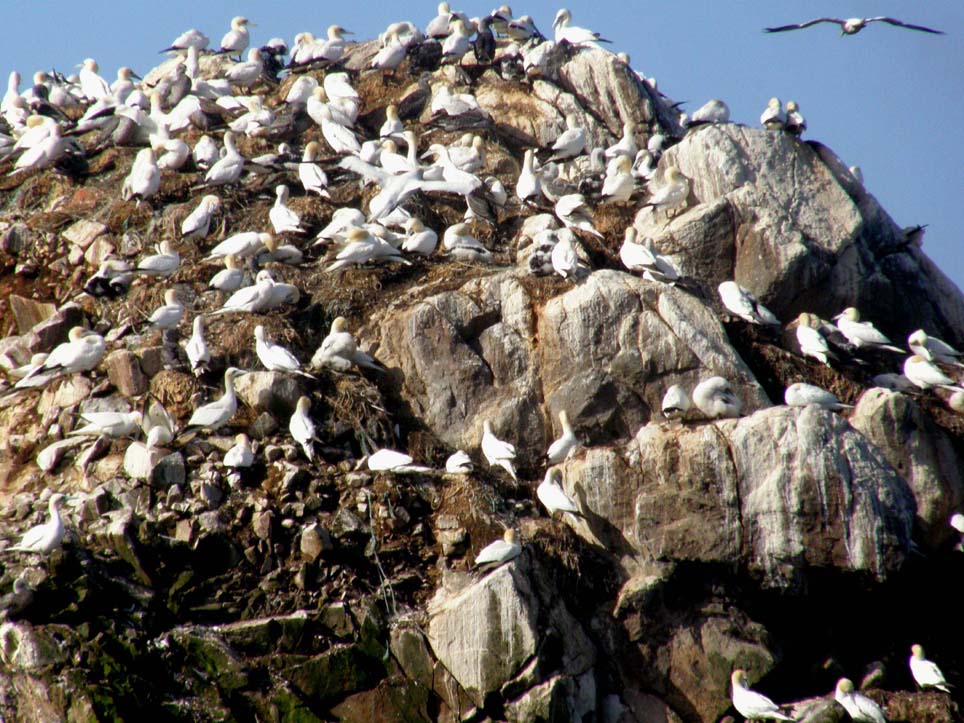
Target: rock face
(799,544)
(604,351)
(788,221)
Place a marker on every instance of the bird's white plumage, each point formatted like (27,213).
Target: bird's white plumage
(750,704)
(552,496)
(497,452)
(46,537)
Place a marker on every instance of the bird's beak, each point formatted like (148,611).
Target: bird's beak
(136,76)
(347,32)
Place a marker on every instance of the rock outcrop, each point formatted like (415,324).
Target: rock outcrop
(799,544)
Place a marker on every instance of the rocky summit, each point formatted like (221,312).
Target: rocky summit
(264,512)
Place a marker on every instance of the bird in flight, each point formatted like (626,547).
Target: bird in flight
(852,26)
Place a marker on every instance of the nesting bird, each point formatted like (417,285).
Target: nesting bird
(745,305)
(46,537)
(716,398)
(500,551)
(553,497)
(302,428)
(566,445)
(801,394)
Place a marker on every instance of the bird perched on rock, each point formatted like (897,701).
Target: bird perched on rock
(745,305)
(862,334)
(168,315)
(796,124)
(573,34)
(571,142)
(933,349)
(553,497)
(672,193)
(196,348)
(566,445)
(237,39)
(572,210)
(16,601)
(676,402)
(715,398)
(801,394)
(82,351)
(642,257)
(302,428)
(198,222)
(48,536)
(926,375)
(274,356)
(497,452)
(216,414)
(750,704)
(240,455)
(144,178)
(162,264)
(713,111)
(926,673)
(499,552)
(773,117)
(339,350)
(811,341)
(282,218)
(852,26)
(565,258)
(459,463)
(860,708)
(108,424)
(529,187)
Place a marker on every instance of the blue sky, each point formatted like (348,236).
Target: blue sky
(887,99)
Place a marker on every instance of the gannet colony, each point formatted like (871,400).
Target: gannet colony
(460,375)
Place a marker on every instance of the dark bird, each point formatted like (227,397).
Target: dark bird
(484,43)
(852,26)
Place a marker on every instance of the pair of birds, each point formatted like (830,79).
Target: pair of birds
(502,454)
(714,397)
(861,709)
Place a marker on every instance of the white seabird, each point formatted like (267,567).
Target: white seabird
(228,168)
(237,39)
(162,264)
(247,73)
(158,425)
(80,353)
(275,357)
(169,315)
(302,428)
(144,178)
(862,333)
(390,460)
(457,43)
(205,153)
(460,463)
(108,424)
(240,245)
(811,341)
(713,111)
(500,551)
(565,258)
(362,246)
(391,55)
(198,222)
(619,185)
(192,38)
(773,117)
(852,26)
(311,175)
(926,375)
(672,193)
(553,497)
(745,305)
(216,414)
(571,142)
(676,402)
(573,34)
(529,185)
(419,239)
(750,704)
(796,124)
(340,351)
(196,347)
(802,395)
(860,708)
(92,85)
(932,348)
(240,455)
(926,673)
(46,537)
(229,278)
(642,257)
(626,145)
(497,452)
(572,210)
(282,218)
(255,299)
(716,399)
(459,242)
(566,445)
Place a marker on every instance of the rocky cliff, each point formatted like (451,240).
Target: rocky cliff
(797,543)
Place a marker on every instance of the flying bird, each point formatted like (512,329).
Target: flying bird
(852,26)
